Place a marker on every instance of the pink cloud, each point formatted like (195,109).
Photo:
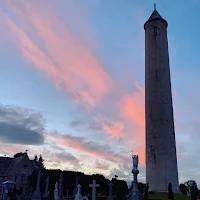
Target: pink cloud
(101,165)
(114,129)
(72,66)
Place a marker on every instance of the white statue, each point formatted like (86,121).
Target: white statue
(78,195)
(135,161)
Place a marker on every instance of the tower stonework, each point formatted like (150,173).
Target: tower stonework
(161,159)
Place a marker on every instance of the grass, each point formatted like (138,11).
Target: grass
(164,196)
(157,196)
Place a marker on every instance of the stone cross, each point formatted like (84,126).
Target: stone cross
(93,186)
(110,197)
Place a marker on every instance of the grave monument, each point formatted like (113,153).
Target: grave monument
(135,193)
(94,185)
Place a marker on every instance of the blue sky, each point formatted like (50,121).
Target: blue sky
(72,82)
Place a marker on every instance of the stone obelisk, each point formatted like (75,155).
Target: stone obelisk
(161,159)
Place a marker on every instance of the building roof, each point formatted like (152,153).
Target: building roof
(155,16)
(5,162)
(13,164)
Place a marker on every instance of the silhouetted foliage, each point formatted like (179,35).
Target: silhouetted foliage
(19,154)
(36,159)
(170,192)
(183,189)
(194,191)
(146,192)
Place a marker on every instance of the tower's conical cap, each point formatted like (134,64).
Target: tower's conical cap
(155,16)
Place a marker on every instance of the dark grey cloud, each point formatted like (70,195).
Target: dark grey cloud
(86,125)
(11,133)
(21,126)
(76,123)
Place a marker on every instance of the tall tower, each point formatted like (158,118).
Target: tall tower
(161,160)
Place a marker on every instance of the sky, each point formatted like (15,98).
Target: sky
(72,83)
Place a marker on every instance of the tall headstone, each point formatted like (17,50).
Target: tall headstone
(46,193)
(78,195)
(56,195)
(94,185)
(76,184)
(161,159)
(110,196)
(37,193)
(61,185)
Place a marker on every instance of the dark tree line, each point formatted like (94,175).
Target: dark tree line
(120,188)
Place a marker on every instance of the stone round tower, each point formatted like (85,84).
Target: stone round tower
(161,159)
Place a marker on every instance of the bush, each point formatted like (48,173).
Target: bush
(170,192)
(146,192)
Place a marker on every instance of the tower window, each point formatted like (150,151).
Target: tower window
(156,74)
(154,156)
(155,30)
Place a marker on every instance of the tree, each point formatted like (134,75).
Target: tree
(146,192)
(189,184)
(36,159)
(194,191)
(170,192)
(41,160)
(183,189)
(19,154)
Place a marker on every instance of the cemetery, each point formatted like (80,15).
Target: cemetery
(67,185)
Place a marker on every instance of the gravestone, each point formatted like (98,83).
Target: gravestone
(110,197)
(37,193)
(78,195)
(56,196)
(61,185)
(94,186)
(46,193)
(76,184)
